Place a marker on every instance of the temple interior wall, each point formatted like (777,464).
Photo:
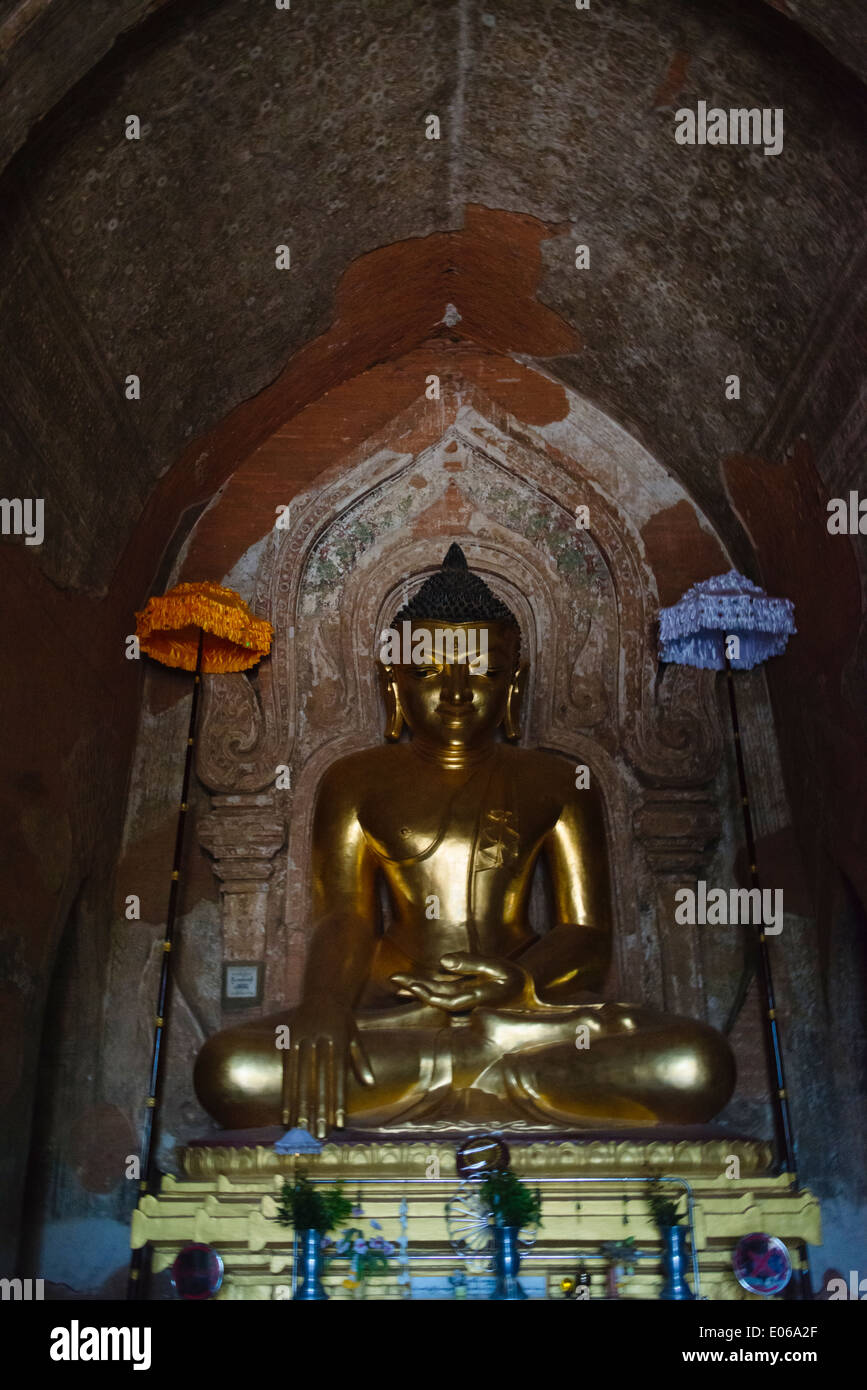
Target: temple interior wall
(490,480)
(328,582)
(700,265)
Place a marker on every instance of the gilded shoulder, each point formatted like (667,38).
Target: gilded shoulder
(566,779)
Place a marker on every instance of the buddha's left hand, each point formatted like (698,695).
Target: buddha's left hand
(476,981)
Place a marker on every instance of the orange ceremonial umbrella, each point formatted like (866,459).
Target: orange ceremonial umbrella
(206,629)
(232,639)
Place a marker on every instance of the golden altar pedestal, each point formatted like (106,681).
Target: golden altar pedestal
(227,1198)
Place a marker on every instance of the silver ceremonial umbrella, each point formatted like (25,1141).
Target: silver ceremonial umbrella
(728,623)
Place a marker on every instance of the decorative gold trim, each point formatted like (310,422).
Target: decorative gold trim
(562,1157)
(236,1213)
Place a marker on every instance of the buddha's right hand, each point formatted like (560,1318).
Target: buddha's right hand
(323,1042)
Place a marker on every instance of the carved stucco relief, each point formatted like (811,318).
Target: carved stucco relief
(586,601)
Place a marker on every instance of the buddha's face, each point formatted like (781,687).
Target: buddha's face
(454,693)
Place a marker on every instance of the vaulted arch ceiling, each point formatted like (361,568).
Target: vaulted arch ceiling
(306,127)
(46,48)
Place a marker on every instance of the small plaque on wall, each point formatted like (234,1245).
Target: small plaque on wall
(242,983)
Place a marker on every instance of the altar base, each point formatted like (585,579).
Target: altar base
(227,1198)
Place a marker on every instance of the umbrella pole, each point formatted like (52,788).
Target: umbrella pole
(782,1116)
(784,1133)
(150,1128)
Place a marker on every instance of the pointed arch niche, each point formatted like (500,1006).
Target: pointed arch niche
(586,600)
(331,578)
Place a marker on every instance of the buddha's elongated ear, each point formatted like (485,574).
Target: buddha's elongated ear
(393,713)
(512,718)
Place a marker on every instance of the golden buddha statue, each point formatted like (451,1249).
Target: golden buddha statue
(500,1025)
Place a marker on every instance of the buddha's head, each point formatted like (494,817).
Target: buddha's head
(451,661)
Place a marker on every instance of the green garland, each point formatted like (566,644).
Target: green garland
(509,1201)
(663,1209)
(308,1209)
